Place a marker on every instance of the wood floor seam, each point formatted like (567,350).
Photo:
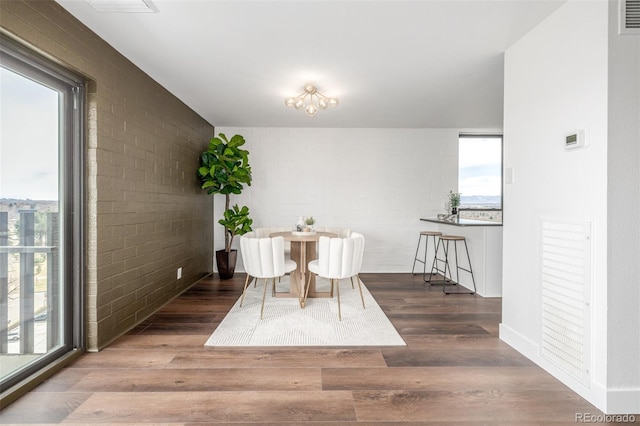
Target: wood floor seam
(454,371)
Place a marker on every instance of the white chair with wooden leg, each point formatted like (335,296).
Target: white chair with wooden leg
(357,262)
(265,232)
(264,258)
(339,258)
(340,232)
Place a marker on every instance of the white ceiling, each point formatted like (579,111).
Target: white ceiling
(395,64)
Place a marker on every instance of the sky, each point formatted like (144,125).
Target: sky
(28,139)
(480,166)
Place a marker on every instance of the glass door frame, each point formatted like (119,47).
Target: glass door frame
(25,61)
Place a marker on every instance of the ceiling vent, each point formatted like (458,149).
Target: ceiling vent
(123,6)
(629,17)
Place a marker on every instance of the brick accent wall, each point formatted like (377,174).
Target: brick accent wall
(146,214)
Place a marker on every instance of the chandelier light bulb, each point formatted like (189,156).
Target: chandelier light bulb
(310,88)
(311,100)
(311,110)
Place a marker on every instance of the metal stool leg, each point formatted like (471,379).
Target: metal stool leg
(473,279)
(435,255)
(423,260)
(458,267)
(446,263)
(435,267)
(415,258)
(434,264)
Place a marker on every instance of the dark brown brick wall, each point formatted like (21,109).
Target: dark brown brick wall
(146,215)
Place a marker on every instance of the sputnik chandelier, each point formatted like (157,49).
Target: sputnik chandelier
(311,100)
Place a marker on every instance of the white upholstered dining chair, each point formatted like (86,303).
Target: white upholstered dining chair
(339,231)
(266,231)
(339,258)
(264,258)
(357,267)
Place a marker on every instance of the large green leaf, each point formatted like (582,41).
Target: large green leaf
(236,220)
(236,141)
(214,143)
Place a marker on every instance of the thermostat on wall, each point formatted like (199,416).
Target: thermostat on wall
(574,140)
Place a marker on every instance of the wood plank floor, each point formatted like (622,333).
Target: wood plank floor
(453,371)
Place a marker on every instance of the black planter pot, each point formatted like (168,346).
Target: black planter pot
(226,262)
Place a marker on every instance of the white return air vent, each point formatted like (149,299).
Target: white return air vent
(566,287)
(629,17)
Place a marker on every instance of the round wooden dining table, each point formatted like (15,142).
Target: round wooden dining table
(303,250)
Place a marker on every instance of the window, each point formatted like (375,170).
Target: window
(41,154)
(480,172)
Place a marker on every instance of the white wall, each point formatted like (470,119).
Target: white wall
(623,344)
(379,182)
(557,80)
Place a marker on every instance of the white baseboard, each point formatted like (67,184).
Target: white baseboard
(624,401)
(596,394)
(609,401)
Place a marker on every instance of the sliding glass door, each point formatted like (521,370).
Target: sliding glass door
(40,212)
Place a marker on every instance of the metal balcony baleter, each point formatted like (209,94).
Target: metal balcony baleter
(24,318)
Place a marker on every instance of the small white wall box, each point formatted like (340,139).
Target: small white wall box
(575,139)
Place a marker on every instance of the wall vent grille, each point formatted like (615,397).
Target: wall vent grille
(566,285)
(629,17)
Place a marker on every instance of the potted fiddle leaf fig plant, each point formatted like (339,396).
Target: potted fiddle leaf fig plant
(224,169)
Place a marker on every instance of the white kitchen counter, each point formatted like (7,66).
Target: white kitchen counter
(484,240)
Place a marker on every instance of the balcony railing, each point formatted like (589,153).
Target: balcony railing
(19,309)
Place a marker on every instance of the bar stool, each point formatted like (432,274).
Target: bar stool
(425,234)
(445,239)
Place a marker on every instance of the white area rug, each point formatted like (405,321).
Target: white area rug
(286,324)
